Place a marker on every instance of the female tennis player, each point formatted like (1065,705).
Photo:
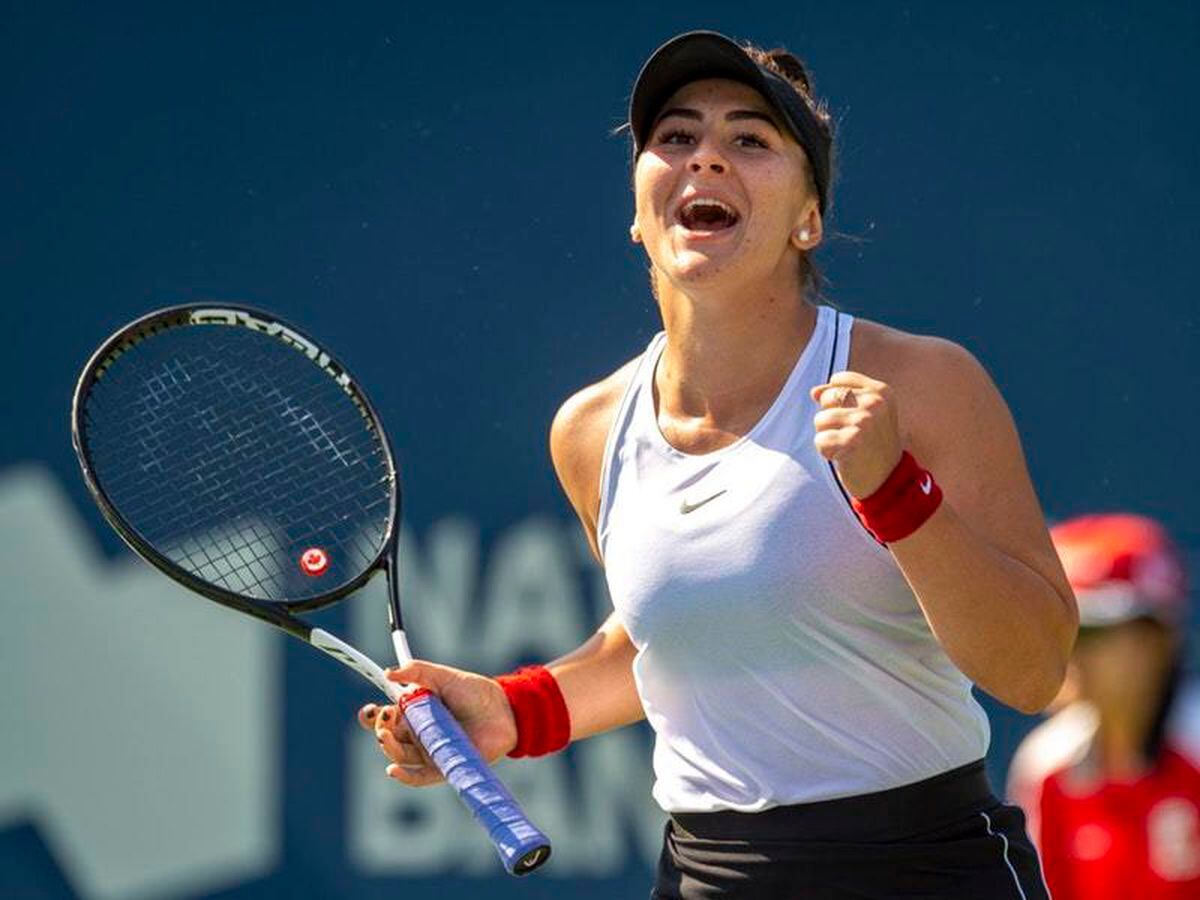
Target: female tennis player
(817,533)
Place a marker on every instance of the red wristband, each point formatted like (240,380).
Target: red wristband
(543,722)
(902,503)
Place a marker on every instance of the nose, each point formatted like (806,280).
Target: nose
(707,156)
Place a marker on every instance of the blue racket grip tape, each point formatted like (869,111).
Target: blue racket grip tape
(522,847)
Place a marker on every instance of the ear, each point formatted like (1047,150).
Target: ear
(635,233)
(806,234)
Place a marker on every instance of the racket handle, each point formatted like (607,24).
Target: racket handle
(522,847)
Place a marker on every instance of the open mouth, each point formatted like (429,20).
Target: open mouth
(707,214)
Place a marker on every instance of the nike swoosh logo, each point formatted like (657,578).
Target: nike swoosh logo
(685,507)
(927,484)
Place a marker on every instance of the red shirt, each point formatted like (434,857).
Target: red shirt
(1137,840)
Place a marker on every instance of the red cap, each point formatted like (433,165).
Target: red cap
(1122,567)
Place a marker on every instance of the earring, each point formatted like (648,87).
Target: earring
(635,234)
(803,235)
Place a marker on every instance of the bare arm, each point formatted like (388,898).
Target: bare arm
(982,566)
(596,679)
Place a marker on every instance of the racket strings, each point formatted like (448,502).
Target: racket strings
(232,453)
(217,487)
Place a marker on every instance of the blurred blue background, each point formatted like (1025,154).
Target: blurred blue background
(437,193)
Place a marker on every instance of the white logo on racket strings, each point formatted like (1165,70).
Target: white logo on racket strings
(308,348)
(927,484)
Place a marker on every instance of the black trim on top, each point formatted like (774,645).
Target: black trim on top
(837,330)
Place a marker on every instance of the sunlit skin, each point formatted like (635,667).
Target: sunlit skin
(719,137)
(982,567)
(715,138)
(731,300)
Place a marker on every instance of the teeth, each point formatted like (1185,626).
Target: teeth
(709,201)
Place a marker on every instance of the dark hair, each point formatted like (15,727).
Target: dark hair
(786,65)
(789,67)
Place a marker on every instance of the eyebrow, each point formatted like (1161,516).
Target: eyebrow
(734,115)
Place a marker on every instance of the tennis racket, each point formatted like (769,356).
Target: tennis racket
(236,455)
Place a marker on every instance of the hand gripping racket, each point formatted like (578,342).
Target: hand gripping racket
(233,453)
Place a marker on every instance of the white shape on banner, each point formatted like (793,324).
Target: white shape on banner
(533,603)
(134,736)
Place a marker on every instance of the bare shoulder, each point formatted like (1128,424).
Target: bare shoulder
(940,385)
(577,438)
(955,422)
(911,359)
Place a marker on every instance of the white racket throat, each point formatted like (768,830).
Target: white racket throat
(400,643)
(403,656)
(356,660)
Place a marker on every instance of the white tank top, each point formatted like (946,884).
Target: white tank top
(781,656)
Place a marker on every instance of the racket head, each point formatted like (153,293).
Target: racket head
(223,445)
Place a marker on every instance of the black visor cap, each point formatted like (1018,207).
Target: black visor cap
(706,54)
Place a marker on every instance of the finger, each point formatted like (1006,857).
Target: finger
(840,396)
(834,442)
(414,777)
(428,675)
(834,396)
(855,380)
(398,744)
(366,716)
(838,417)
(403,752)
(391,720)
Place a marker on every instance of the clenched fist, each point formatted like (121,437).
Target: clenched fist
(857,430)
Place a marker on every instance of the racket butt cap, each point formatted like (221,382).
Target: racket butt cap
(532,860)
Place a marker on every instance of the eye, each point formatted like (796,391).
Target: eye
(675,136)
(747,138)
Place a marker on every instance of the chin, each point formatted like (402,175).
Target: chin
(691,266)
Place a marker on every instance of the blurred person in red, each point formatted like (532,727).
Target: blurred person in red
(1111,781)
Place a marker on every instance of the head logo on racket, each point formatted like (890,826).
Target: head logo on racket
(314,561)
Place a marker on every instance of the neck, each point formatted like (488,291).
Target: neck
(1126,722)
(1121,741)
(723,349)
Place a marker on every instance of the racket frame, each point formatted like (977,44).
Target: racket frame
(521,846)
(275,612)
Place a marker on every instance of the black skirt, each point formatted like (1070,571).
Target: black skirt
(944,838)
